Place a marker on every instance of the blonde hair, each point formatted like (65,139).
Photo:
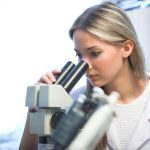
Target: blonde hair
(109,23)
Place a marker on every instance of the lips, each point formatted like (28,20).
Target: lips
(93,77)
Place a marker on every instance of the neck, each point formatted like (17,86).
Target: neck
(128,86)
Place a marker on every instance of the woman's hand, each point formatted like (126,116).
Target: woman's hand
(49,77)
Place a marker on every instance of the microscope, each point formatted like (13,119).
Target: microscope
(65,124)
(48,103)
(86,121)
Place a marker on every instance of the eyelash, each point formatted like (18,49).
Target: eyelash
(78,55)
(93,54)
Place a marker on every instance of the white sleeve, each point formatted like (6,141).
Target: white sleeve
(76,93)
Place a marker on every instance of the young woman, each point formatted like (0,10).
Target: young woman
(105,38)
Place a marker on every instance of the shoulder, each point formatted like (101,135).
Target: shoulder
(76,92)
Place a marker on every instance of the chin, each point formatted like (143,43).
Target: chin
(96,84)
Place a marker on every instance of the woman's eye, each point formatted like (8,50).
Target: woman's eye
(95,54)
(79,55)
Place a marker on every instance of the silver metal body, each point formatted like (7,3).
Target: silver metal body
(43,101)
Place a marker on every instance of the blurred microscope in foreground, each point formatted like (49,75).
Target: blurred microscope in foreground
(65,124)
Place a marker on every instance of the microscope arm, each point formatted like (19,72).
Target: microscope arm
(96,126)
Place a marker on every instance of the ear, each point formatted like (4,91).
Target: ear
(127,48)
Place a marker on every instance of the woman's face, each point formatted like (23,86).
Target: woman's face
(105,60)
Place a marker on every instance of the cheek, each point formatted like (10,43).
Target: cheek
(109,62)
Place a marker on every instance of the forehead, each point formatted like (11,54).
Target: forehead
(85,41)
(83,38)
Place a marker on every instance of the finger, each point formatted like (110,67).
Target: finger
(45,79)
(40,83)
(56,72)
(50,76)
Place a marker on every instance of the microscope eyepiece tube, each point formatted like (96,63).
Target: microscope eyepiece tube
(64,72)
(75,75)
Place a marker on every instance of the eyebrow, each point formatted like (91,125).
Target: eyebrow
(89,48)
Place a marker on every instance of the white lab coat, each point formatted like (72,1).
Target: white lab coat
(141,137)
(140,140)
